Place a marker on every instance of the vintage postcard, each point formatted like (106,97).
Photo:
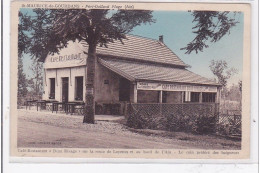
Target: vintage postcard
(130,80)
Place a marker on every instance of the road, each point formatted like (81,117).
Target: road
(45,129)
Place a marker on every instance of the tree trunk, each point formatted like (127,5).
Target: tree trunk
(90,86)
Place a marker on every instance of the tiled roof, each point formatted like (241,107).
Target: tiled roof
(135,71)
(140,48)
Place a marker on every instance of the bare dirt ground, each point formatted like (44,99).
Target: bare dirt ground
(46,129)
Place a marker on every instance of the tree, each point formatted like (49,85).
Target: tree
(210,26)
(36,82)
(22,83)
(52,29)
(221,70)
(43,39)
(96,27)
(36,38)
(23,45)
(24,27)
(234,93)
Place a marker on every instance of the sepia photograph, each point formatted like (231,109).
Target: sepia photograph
(120,79)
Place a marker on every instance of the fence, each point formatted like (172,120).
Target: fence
(100,109)
(189,117)
(78,109)
(228,105)
(229,124)
(21,100)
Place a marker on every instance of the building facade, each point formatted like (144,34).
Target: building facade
(141,70)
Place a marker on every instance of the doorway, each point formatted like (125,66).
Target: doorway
(79,88)
(65,89)
(124,89)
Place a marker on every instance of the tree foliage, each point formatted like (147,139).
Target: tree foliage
(32,35)
(221,70)
(49,30)
(36,82)
(22,83)
(233,93)
(210,26)
(43,38)
(52,29)
(98,26)
(24,27)
(23,46)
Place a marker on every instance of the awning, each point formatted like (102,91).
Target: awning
(137,71)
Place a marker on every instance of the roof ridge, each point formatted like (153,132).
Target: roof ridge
(163,45)
(153,39)
(132,59)
(164,54)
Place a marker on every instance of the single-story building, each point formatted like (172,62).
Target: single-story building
(142,70)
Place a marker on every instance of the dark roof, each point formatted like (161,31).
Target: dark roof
(135,71)
(140,48)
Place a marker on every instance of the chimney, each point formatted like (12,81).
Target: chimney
(161,38)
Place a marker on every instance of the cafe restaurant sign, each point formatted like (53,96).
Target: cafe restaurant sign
(71,56)
(148,86)
(174,87)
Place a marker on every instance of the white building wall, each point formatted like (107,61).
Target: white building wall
(49,73)
(58,74)
(64,72)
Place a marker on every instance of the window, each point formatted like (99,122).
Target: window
(208,97)
(148,96)
(195,97)
(186,96)
(52,88)
(164,96)
(79,88)
(106,81)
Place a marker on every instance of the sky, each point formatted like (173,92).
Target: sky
(176,28)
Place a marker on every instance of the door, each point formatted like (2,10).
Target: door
(124,89)
(65,89)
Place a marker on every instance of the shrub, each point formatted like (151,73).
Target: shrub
(230,128)
(145,121)
(205,125)
(178,121)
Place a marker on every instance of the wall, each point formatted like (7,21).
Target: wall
(71,73)
(106,92)
(103,93)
